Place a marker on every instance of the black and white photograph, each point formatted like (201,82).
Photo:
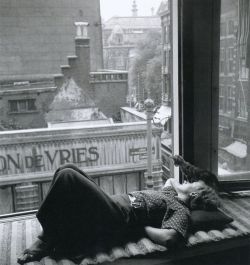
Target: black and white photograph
(124,132)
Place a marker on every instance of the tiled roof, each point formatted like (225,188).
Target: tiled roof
(71,96)
(147,22)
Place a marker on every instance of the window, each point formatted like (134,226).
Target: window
(242,105)
(234,139)
(164,114)
(22,105)
(231,62)
(230,100)
(44,115)
(223,29)
(221,100)
(222,61)
(230,27)
(244,72)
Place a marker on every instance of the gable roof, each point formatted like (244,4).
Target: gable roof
(71,96)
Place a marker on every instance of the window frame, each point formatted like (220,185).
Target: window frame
(199,87)
(19,109)
(189,74)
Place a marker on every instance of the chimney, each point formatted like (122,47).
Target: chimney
(82,29)
(81,62)
(134,9)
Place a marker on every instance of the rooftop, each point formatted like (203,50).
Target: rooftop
(140,22)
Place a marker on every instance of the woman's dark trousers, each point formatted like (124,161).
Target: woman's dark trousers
(76,212)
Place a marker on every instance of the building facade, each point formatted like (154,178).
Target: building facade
(165,14)
(36,36)
(234,89)
(76,95)
(120,35)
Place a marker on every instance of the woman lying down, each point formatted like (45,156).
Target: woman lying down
(77,215)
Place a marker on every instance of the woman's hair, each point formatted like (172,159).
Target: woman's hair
(205,198)
(208,177)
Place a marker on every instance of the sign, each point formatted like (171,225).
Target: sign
(36,161)
(141,152)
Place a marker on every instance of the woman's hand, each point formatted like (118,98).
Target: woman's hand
(165,237)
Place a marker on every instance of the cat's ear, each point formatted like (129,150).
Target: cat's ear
(178,160)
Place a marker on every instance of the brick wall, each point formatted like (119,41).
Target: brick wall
(37,36)
(109,97)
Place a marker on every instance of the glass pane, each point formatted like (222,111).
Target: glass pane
(163,115)
(13,105)
(60,103)
(31,104)
(22,105)
(234,134)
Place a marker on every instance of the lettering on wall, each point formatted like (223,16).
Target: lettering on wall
(48,158)
(141,152)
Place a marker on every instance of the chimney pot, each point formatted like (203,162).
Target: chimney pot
(82,29)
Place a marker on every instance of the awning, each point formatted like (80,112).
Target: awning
(162,115)
(237,148)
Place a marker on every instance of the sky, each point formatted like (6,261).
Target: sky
(110,8)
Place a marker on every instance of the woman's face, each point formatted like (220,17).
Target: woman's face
(186,188)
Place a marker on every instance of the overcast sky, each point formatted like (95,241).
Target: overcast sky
(110,8)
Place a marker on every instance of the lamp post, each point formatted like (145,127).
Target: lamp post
(149,106)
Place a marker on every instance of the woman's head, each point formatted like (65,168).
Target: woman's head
(198,195)
(204,198)
(206,176)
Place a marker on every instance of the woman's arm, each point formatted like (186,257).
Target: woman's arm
(168,183)
(172,182)
(165,237)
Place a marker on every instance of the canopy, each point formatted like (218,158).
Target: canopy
(237,148)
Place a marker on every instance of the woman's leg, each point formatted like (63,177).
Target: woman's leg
(76,210)
(73,214)
(72,166)
(43,236)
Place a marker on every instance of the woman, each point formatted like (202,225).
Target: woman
(77,215)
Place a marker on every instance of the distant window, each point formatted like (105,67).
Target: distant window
(223,29)
(230,60)
(22,105)
(243,71)
(230,27)
(230,99)
(13,105)
(221,103)
(222,61)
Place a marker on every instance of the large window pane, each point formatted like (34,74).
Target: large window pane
(59,104)
(168,112)
(234,108)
